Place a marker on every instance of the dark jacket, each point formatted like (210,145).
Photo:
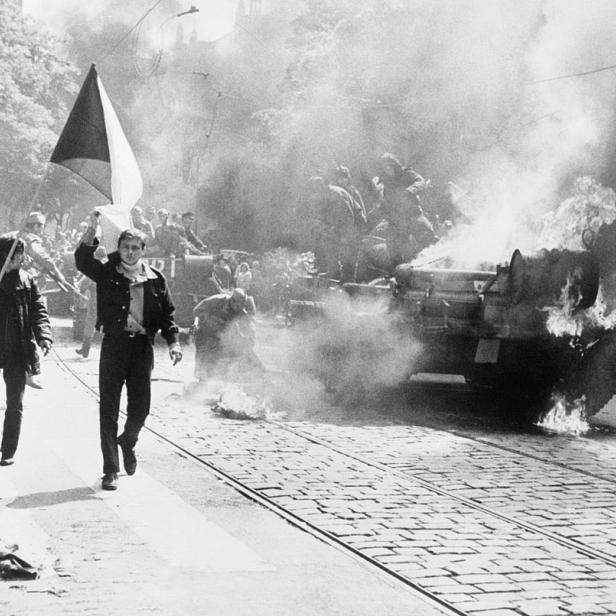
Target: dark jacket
(113,296)
(20,298)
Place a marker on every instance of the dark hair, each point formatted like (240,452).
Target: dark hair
(133,234)
(188,215)
(6,241)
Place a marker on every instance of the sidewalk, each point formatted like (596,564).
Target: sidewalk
(172,540)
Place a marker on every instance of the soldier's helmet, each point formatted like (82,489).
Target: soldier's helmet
(35,218)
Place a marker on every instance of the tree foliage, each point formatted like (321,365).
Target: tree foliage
(234,128)
(36,87)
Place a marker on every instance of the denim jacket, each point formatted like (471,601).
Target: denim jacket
(113,296)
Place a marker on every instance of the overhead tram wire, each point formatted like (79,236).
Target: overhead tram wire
(572,75)
(128,33)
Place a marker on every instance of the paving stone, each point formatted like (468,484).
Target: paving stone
(493,587)
(507,554)
(583,608)
(541,607)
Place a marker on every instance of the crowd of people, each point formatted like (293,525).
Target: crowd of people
(356,242)
(172,237)
(354,236)
(130,301)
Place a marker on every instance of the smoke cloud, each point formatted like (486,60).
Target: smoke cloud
(560,129)
(349,354)
(453,88)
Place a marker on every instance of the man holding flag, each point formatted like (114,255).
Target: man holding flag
(133,301)
(133,305)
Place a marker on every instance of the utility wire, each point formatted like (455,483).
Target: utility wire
(126,34)
(597,70)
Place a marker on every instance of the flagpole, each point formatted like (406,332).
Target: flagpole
(9,256)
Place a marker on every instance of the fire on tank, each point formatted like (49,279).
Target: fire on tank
(541,324)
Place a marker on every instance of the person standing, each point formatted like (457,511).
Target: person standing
(398,193)
(243,276)
(196,245)
(133,304)
(334,236)
(24,323)
(342,179)
(41,262)
(88,290)
(142,223)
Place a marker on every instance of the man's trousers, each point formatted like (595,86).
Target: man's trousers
(124,359)
(14,374)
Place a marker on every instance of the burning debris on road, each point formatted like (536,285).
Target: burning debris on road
(566,418)
(235,403)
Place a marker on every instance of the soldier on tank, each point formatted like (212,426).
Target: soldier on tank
(342,179)
(168,237)
(398,192)
(142,223)
(335,237)
(197,247)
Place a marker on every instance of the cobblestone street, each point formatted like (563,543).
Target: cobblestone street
(173,539)
(308,308)
(497,525)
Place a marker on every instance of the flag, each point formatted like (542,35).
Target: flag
(93,145)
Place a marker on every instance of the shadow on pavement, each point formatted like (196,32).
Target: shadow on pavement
(46,499)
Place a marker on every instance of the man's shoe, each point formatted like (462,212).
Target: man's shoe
(32,381)
(110,481)
(130,460)
(82,352)
(7,461)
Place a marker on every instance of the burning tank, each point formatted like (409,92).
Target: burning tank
(536,326)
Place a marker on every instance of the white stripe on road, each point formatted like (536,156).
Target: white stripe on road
(17,527)
(7,487)
(178,532)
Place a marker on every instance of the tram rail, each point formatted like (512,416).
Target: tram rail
(340,542)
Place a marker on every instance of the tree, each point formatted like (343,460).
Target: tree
(36,89)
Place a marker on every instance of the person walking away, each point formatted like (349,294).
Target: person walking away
(24,323)
(133,304)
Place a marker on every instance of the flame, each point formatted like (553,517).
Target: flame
(235,403)
(566,418)
(564,320)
